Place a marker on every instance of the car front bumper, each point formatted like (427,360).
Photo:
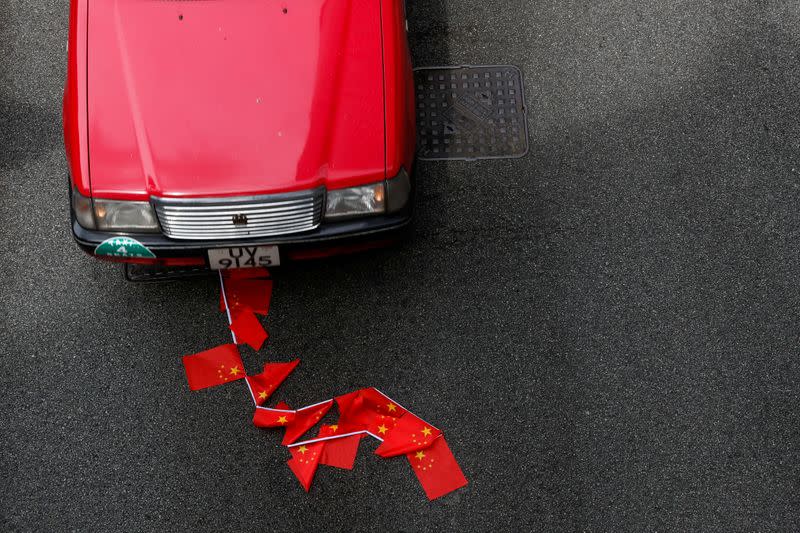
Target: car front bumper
(328,239)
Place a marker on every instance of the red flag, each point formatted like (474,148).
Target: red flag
(367,409)
(248,330)
(437,469)
(213,367)
(369,399)
(264,417)
(239,274)
(382,425)
(304,420)
(264,384)
(328,430)
(253,293)
(345,400)
(245,273)
(304,462)
(409,435)
(339,452)
(381,403)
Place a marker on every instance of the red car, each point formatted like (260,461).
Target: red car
(235,133)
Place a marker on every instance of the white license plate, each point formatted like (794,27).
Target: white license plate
(244,257)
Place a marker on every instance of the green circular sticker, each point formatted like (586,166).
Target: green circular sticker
(123,247)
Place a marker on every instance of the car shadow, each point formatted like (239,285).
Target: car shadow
(27,130)
(428,32)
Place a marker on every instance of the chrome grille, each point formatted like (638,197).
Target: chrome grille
(240,218)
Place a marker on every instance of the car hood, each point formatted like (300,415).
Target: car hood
(234,97)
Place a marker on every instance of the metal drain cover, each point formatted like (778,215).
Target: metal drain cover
(470,112)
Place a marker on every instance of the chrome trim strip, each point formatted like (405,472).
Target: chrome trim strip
(231,227)
(226,213)
(263,217)
(212,218)
(234,200)
(208,209)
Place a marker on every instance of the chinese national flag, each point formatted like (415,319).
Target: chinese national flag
(349,414)
(240,274)
(305,418)
(408,435)
(368,400)
(304,462)
(341,453)
(248,330)
(253,293)
(437,469)
(245,273)
(382,425)
(213,367)
(380,403)
(367,409)
(264,384)
(264,417)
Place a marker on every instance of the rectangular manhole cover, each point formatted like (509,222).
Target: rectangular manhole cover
(470,112)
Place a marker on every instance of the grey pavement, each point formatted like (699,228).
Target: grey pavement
(606,329)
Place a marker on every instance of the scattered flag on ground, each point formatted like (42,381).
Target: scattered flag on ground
(245,293)
(240,294)
(305,419)
(369,410)
(264,384)
(304,462)
(247,329)
(246,273)
(213,367)
(410,434)
(437,469)
(266,417)
(341,452)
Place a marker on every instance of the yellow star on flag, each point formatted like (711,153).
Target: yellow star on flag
(235,370)
(334,427)
(420,455)
(382,429)
(426,431)
(282,420)
(262,395)
(302,449)
(391,407)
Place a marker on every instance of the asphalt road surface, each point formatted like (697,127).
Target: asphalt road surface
(605,329)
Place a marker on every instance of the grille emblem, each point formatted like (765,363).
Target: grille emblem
(239,220)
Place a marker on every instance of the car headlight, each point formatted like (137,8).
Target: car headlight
(112,215)
(356,201)
(387,196)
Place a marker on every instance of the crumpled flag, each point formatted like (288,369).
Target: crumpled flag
(213,367)
(264,384)
(247,329)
